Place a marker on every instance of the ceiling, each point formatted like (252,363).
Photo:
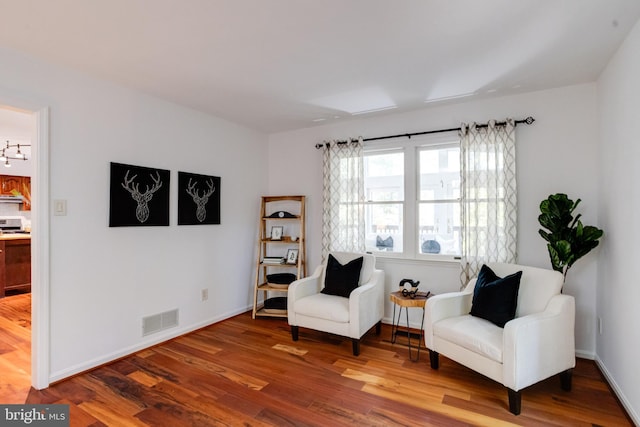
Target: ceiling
(16,127)
(277,65)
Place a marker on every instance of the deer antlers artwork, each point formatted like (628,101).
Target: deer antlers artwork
(148,195)
(142,210)
(200,201)
(204,192)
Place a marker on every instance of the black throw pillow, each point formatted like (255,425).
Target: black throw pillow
(341,279)
(494,298)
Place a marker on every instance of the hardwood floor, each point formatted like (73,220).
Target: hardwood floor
(15,348)
(249,372)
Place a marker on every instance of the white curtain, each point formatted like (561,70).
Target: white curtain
(343,198)
(489,196)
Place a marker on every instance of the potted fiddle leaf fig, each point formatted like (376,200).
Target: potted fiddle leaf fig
(567,238)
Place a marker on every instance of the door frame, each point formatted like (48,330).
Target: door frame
(40,237)
(40,256)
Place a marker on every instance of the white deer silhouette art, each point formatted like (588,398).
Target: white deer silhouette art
(200,201)
(142,210)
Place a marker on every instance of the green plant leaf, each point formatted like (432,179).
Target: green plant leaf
(555,258)
(568,239)
(546,236)
(564,249)
(592,233)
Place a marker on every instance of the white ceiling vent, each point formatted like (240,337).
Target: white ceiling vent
(159,322)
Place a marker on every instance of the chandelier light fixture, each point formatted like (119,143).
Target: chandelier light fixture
(7,153)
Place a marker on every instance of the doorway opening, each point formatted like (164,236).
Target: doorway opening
(24,206)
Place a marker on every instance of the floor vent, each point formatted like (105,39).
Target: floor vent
(159,322)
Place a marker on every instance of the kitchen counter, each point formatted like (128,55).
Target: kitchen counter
(15,236)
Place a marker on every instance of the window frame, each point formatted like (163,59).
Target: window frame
(411,203)
(390,149)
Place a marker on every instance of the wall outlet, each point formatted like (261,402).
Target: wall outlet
(204,294)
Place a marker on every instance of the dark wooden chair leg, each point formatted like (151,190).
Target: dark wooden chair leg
(356,346)
(565,379)
(294,332)
(515,400)
(434,359)
(379,328)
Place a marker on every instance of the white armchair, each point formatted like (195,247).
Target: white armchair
(536,345)
(349,317)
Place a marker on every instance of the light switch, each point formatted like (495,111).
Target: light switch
(60,207)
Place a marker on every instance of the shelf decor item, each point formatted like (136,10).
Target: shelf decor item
(276,232)
(139,196)
(282,214)
(281,258)
(292,256)
(281,278)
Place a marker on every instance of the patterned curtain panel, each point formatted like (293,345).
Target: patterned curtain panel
(343,198)
(489,196)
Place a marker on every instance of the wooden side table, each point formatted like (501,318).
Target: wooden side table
(407,302)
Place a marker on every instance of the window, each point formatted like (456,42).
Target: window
(412,193)
(384,195)
(439,200)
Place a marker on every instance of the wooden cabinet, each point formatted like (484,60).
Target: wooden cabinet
(281,252)
(11,184)
(15,264)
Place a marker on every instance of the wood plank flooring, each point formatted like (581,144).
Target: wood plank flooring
(15,348)
(249,372)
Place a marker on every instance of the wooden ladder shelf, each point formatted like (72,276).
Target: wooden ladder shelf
(281,253)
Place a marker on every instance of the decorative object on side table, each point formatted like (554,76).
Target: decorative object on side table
(568,240)
(406,292)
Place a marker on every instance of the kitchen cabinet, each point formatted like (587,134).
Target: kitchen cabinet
(10,184)
(15,263)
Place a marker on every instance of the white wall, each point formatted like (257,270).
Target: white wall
(104,280)
(618,290)
(558,153)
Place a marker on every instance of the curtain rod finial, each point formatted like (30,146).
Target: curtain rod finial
(529,120)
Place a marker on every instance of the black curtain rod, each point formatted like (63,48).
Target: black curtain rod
(529,120)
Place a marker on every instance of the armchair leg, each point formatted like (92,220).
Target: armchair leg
(434,359)
(565,379)
(294,333)
(355,342)
(379,328)
(515,400)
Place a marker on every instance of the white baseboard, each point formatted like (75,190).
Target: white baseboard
(633,414)
(583,354)
(157,339)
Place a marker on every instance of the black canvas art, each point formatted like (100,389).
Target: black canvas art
(198,199)
(139,196)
